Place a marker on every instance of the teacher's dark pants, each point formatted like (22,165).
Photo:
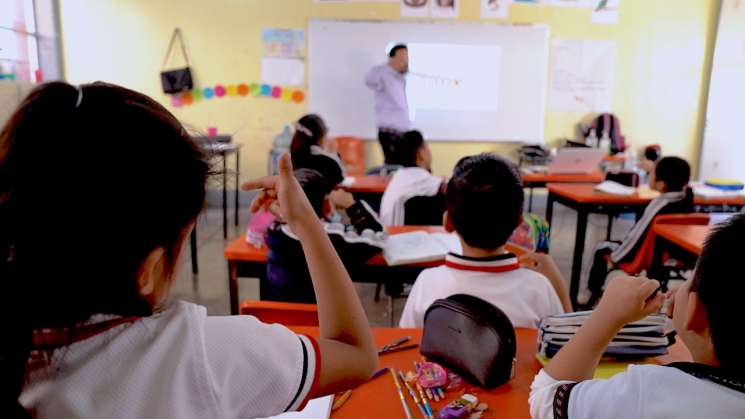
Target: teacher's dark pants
(387,139)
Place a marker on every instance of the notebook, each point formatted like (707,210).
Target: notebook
(419,247)
(319,408)
(615,188)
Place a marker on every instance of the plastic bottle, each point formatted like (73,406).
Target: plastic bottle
(280,144)
(604,143)
(592,139)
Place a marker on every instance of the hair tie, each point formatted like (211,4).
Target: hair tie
(300,127)
(80,96)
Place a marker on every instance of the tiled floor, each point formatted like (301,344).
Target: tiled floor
(210,287)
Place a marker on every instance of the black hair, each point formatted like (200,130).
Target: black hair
(652,153)
(394,50)
(720,284)
(406,148)
(92,180)
(485,200)
(309,131)
(314,186)
(674,172)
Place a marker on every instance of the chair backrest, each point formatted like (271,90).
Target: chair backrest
(289,314)
(352,152)
(383,170)
(644,257)
(424,210)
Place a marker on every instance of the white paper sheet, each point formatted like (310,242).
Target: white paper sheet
(582,73)
(605,12)
(495,9)
(283,71)
(319,408)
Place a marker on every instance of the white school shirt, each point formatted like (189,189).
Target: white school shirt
(391,106)
(523,295)
(643,391)
(406,183)
(179,363)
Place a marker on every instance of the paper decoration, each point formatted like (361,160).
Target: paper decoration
(283,71)
(582,73)
(495,9)
(531,2)
(287,94)
(284,43)
(571,3)
(605,12)
(447,9)
(415,8)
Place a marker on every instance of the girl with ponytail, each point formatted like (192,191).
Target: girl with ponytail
(308,153)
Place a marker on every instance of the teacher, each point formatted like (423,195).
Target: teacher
(388,82)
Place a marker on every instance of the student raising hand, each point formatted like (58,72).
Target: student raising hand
(346,344)
(628,299)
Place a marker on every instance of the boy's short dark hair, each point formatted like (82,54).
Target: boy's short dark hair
(394,50)
(674,171)
(314,186)
(406,147)
(485,200)
(720,284)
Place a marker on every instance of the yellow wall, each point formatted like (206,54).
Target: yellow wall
(663,62)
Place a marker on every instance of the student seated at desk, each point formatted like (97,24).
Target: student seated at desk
(415,179)
(484,206)
(90,331)
(307,150)
(707,315)
(670,177)
(356,241)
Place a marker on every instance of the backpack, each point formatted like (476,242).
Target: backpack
(532,234)
(607,124)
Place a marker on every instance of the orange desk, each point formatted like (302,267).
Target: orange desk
(540,180)
(368,184)
(688,237)
(585,200)
(378,398)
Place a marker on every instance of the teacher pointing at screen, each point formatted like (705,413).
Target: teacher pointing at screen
(388,82)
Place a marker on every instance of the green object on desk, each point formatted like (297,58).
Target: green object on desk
(606,368)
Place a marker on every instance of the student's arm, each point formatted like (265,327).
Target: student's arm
(373,79)
(545,265)
(625,300)
(348,353)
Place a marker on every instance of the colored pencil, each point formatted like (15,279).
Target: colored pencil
(413,395)
(340,399)
(401,394)
(424,400)
(398,348)
(394,344)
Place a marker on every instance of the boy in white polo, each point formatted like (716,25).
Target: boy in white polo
(484,206)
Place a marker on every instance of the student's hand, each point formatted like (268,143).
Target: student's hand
(628,299)
(282,196)
(341,199)
(541,263)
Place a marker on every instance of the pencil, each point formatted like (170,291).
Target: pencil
(401,394)
(340,399)
(424,400)
(413,395)
(398,348)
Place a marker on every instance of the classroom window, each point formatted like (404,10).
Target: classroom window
(29,46)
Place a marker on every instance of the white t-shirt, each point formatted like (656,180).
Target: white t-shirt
(178,363)
(643,391)
(406,183)
(524,296)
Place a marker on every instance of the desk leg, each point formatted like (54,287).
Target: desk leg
(550,212)
(194,262)
(233,286)
(224,197)
(237,184)
(656,270)
(530,199)
(579,250)
(609,231)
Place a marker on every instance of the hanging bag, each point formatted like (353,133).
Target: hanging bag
(178,80)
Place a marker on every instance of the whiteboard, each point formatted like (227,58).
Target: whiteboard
(511,101)
(724,145)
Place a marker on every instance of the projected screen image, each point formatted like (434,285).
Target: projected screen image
(452,77)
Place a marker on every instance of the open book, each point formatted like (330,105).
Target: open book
(615,188)
(319,408)
(419,247)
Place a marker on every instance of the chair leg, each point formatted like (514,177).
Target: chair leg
(378,288)
(390,309)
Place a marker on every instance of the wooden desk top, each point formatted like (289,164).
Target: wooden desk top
(689,237)
(538,177)
(585,193)
(368,184)
(378,397)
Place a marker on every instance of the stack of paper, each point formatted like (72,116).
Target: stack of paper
(419,247)
(615,188)
(647,337)
(710,192)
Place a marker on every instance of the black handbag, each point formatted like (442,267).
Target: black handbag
(471,337)
(178,80)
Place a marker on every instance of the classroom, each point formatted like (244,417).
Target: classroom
(457,208)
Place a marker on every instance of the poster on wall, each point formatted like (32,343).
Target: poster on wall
(582,73)
(531,2)
(495,9)
(605,12)
(415,8)
(572,3)
(284,43)
(447,9)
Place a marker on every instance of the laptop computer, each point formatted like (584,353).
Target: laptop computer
(576,161)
